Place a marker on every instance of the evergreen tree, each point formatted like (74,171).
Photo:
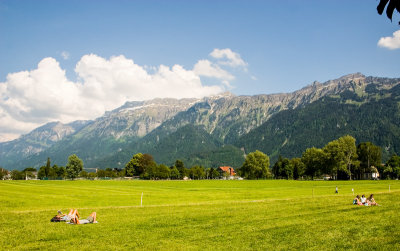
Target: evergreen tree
(181,168)
(282,168)
(298,168)
(48,167)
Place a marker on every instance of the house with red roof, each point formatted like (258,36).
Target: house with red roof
(226,169)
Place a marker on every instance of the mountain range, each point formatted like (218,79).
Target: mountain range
(222,129)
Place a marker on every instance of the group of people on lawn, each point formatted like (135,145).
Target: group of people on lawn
(363,201)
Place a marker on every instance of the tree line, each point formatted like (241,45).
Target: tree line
(72,170)
(143,166)
(338,159)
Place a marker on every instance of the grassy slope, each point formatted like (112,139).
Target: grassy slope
(199,215)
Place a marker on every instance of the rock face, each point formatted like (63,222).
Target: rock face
(136,119)
(225,117)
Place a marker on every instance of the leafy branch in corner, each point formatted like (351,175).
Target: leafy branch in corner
(391,6)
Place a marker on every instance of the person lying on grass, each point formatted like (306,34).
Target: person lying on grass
(73,217)
(64,217)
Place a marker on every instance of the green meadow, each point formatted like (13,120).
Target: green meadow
(200,215)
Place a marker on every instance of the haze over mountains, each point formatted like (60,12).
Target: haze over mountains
(220,130)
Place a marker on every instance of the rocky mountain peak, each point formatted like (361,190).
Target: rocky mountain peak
(352,76)
(53,131)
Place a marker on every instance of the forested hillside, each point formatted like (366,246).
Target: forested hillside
(191,144)
(373,116)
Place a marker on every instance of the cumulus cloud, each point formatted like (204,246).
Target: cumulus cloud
(29,99)
(391,43)
(228,57)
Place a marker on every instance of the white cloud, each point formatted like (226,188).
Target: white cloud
(208,69)
(65,55)
(29,99)
(228,57)
(391,43)
(214,69)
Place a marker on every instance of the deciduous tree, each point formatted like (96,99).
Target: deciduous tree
(368,155)
(349,150)
(133,166)
(74,166)
(313,158)
(17,175)
(197,172)
(174,173)
(256,166)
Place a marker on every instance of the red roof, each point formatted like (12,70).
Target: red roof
(228,169)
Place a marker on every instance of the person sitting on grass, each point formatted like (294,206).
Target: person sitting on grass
(357,201)
(364,200)
(371,201)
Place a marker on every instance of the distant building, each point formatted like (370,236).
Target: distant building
(31,175)
(226,169)
(372,175)
(6,174)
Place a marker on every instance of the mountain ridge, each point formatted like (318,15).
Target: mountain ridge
(140,125)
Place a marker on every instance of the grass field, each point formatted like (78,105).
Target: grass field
(200,215)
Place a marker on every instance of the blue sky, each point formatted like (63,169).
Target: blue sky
(246,47)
